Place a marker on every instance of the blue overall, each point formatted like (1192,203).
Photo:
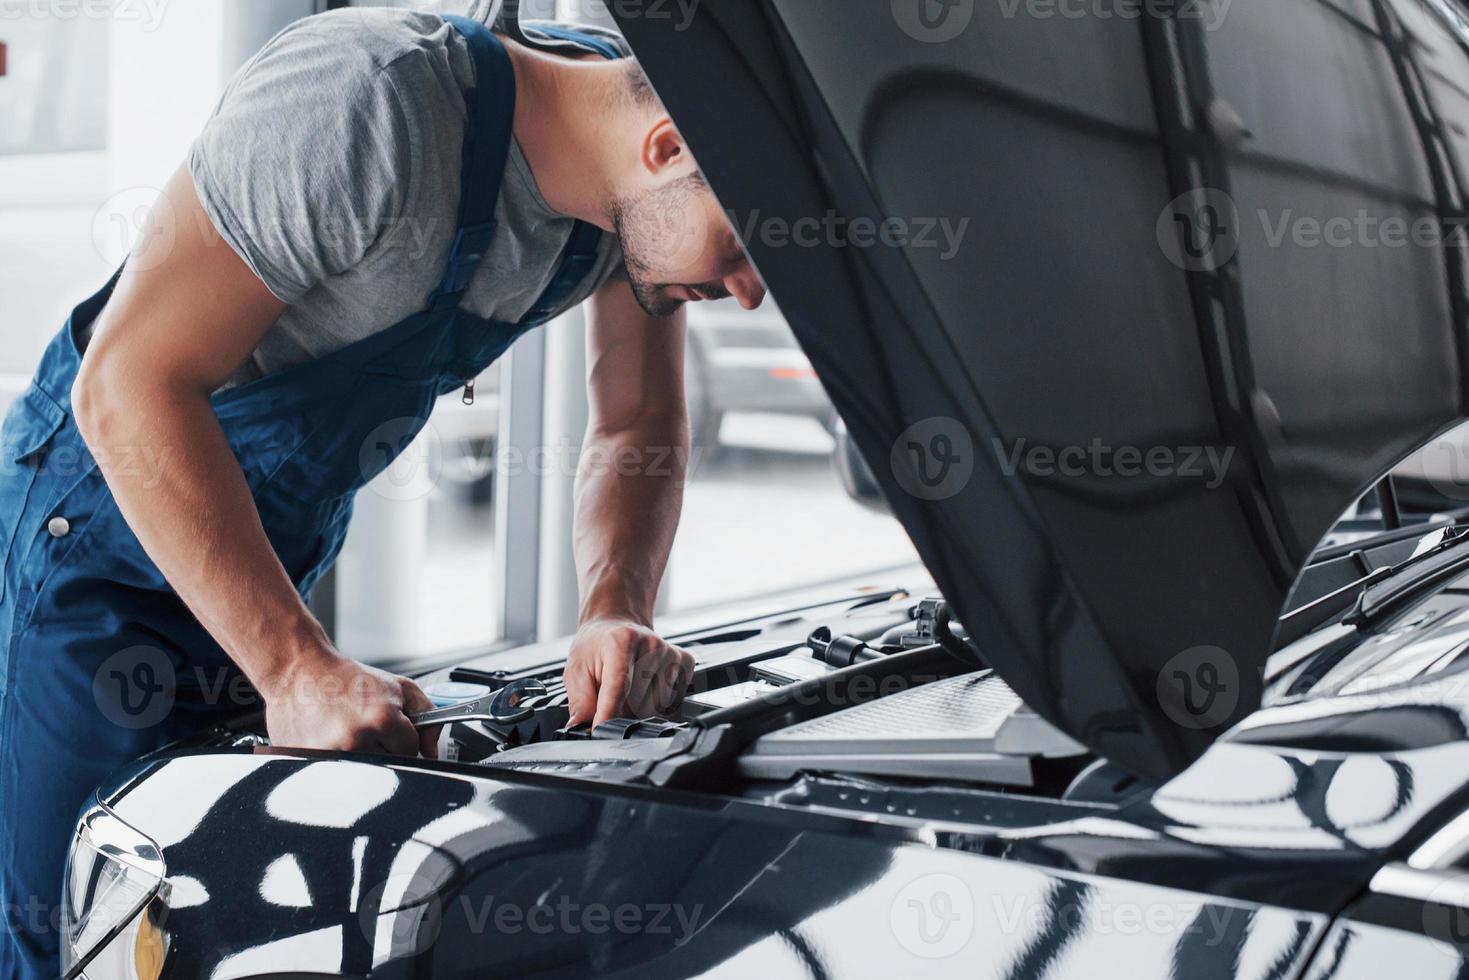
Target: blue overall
(102,661)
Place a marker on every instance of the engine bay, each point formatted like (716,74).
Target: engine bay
(876,703)
(887,689)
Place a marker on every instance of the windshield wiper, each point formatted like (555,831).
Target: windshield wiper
(1386,590)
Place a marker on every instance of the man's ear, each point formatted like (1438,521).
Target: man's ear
(664,150)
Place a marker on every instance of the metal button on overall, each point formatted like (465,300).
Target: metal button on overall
(59,527)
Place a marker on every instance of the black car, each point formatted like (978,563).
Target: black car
(1151,729)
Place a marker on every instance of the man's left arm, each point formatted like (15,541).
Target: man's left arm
(629,493)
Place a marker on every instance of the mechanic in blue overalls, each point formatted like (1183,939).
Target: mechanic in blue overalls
(382,202)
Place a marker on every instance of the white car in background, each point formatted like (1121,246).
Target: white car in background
(737,361)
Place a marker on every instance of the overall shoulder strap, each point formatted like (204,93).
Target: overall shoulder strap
(489,128)
(586,40)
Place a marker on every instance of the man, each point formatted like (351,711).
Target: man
(380,204)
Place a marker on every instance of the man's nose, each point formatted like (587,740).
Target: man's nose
(745,286)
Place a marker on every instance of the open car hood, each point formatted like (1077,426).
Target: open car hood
(1114,445)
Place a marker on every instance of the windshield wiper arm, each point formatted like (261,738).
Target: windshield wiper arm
(1387,589)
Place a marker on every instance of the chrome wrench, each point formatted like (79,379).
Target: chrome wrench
(504,707)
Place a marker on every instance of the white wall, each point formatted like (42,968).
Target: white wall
(68,219)
(166,78)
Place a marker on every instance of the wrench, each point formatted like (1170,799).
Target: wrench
(505,706)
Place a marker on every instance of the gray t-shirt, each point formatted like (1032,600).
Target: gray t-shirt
(332,165)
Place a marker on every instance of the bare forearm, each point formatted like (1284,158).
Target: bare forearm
(184,317)
(193,514)
(629,496)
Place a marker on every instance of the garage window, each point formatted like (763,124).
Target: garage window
(764,510)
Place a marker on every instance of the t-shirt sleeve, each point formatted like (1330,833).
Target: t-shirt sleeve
(307,159)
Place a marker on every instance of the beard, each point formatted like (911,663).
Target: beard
(655,229)
(651,297)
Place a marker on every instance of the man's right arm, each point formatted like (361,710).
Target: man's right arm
(186,313)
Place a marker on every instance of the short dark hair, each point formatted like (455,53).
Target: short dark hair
(639,87)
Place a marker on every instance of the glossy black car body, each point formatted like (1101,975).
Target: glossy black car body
(1232,758)
(1273,850)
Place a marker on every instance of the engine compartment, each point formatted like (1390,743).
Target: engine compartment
(887,690)
(873,704)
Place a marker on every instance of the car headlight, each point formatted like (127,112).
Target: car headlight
(112,874)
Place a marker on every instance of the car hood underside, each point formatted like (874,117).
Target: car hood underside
(1114,434)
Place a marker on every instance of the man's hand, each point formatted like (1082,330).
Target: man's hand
(619,668)
(337,703)
(626,514)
